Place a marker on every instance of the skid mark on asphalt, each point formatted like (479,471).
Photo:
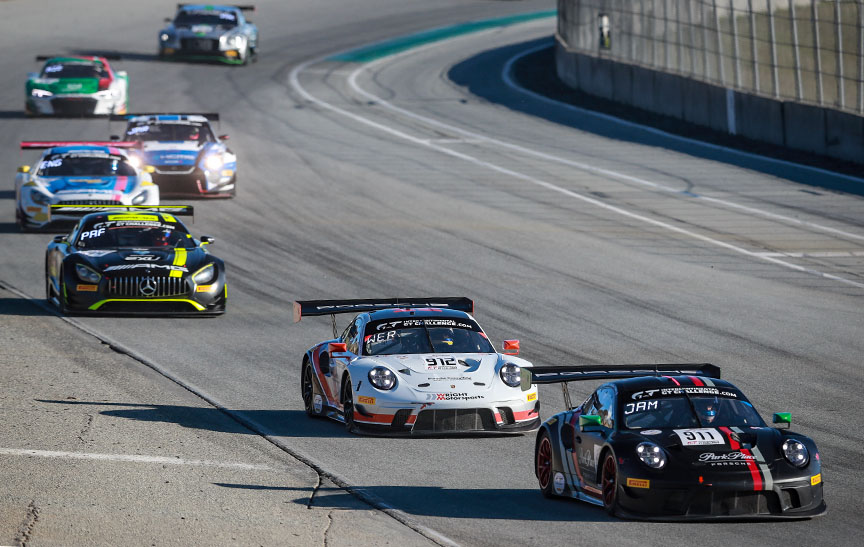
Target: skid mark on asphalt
(131,458)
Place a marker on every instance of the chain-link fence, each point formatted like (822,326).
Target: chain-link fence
(809,51)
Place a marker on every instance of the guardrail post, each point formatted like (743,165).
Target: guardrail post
(860,56)
(775,70)
(753,49)
(841,92)
(799,83)
(736,57)
(814,9)
(721,68)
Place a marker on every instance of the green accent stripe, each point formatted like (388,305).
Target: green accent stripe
(101,303)
(397,45)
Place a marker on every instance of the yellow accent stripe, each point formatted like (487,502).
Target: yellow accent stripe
(101,303)
(175,273)
(179,257)
(168,218)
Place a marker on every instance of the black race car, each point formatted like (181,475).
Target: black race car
(133,260)
(673,442)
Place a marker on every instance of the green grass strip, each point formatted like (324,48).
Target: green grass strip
(402,43)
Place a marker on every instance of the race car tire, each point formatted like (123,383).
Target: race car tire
(246,54)
(307,389)
(348,405)
(543,465)
(609,483)
(61,301)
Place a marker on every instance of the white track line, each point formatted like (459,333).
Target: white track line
(133,458)
(294,81)
(506,76)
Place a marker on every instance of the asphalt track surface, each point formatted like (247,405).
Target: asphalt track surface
(430,172)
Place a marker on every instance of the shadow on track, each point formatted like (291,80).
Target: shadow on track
(12,115)
(281,423)
(7,194)
(22,307)
(481,75)
(435,501)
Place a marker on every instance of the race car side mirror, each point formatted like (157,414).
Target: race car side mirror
(24,169)
(59,239)
(208,240)
(337,347)
(590,423)
(223,137)
(511,347)
(782,420)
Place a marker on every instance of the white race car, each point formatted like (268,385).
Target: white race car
(415,366)
(79,173)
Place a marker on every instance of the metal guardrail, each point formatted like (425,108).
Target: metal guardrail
(809,51)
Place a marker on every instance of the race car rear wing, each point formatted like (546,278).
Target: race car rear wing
(108,56)
(43,145)
(212,116)
(564,374)
(241,8)
(81,210)
(333,307)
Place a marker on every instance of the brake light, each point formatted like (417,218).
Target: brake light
(104,83)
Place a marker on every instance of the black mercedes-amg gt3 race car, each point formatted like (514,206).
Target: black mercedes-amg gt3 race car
(133,260)
(673,442)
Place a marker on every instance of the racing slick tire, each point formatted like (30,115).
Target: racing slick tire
(609,483)
(246,55)
(348,405)
(61,302)
(307,389)
(543,465)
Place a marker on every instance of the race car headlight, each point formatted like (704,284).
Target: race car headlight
(510,375)
(164,37)
(651,455)
(86,274)
(41,93)
(235,41)
(38,197)
(204,275)
(382,378)
(213,163)
(140,198)
(795,452)
(135,161)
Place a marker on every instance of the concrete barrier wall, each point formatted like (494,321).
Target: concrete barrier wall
(794,125)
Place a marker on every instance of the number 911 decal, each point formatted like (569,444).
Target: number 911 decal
(699,437)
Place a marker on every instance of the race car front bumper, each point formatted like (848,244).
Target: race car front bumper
(102,103)
(191,181)
(443,419)
(124,296)
(677,500)
(200,49)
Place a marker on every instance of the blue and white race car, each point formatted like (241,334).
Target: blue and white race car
(188,159)
(79,173)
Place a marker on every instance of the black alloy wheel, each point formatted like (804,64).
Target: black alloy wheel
(348,405)
(609,484)
(543,465)
(307,388)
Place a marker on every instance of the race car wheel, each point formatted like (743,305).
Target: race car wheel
(246,54)
(543,463)
(308,389)
(348,405)
(609,484)
(61,299)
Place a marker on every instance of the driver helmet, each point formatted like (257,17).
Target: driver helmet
(707,410)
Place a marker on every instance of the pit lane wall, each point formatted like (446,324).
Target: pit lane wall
(786,72)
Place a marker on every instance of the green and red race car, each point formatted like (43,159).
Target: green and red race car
(76,86)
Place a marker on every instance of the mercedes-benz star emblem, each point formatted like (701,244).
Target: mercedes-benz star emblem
(147,286)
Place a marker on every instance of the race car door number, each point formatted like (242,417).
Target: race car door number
(699,437)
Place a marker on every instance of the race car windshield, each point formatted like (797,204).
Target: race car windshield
(413,336)
(108,235)
(688,412)
(75,165)
(170,132)
(73,70)
(225,19)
